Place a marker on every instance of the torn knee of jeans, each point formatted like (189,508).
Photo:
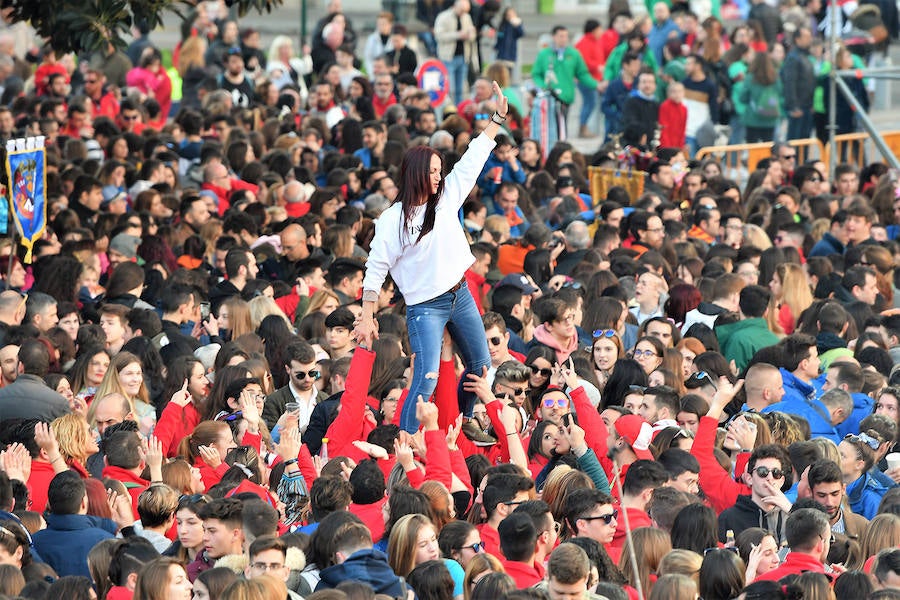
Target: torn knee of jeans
(431,375)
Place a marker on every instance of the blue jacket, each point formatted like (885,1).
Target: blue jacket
(65,544)
(613,104)
(800,401)
(827,246)
(507,45)
(659,35)
(365,155)
(862,408)
(486,179)
(864,496)
(369,566)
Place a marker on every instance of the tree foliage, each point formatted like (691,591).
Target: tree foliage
(86,25)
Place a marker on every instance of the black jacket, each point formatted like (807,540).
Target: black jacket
(745,513)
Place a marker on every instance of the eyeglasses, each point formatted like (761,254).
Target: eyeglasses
(495,341)
(542,372)
(476,548)
(607,333)
(608,518)
(90,81)
(482,116)
(557,527)
(191,499)
(764,472)
(864,438)
(647,353)
(514,502)
(558,402)
(261,566)
(312,374)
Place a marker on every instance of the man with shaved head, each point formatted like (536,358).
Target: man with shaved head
(12,308)
(293,248)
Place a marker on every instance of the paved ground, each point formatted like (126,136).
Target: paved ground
(286,20)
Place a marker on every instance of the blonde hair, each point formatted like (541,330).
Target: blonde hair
(263,587)
(112,385)
(651,544)
(238,316)
(402,542)
(72,435)
(158,502)
(318,299)
(210,232)
(754,235)
(177,475)
(192,54)
(277,43)
(481,563)
(440,503)
(681,562)
(795,290)
(674,587)
(262,307)
(883,531)
(828,448)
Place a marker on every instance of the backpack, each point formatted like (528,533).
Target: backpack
(768,103)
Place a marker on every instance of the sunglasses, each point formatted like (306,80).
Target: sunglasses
(764,472)
(229,417)
(476,548)
(542,372)
(129,117)
(788,156)
(864,438)
(700,377)
(559,402)
(517,392)
(607,333)
(482,116)
(608,518)
(495,341)
(312,374)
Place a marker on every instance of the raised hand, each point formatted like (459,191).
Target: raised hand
(249,411)
(153,456)
(575,435)
(182,397)
(16,462)
(403,452)
(453,433)
(120,506)
(502,101)
(289,445)
(479,386)
(210,455)
(46,439)
(427,414)
(366,330)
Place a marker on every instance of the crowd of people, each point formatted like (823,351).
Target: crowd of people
(293,332)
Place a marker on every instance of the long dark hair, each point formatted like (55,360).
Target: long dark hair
(415,178)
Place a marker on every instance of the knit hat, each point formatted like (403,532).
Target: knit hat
(126,245)
(637,432)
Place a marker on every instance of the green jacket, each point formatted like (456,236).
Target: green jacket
(559,75)
(735,71)
(614,61)
(750,94)
(741,340)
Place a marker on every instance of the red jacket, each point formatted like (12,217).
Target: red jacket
(718,485)
(107,106)
(594,54)
(673,120)
(381,107)
(795,563)
(478,288)
(133,483)
(491,539)
(211,477)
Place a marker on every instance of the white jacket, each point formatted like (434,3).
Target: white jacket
(425,270)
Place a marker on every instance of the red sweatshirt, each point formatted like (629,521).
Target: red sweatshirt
(133,483)
(673,121)
(175,423)
(721,489)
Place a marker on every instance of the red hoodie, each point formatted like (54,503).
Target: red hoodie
(133,483)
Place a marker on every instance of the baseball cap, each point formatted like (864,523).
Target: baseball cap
(520,281)
(638,433)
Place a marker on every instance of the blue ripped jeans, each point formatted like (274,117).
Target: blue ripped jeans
(425,322)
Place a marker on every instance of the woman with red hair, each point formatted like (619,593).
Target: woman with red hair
(683,298)
(420,241)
